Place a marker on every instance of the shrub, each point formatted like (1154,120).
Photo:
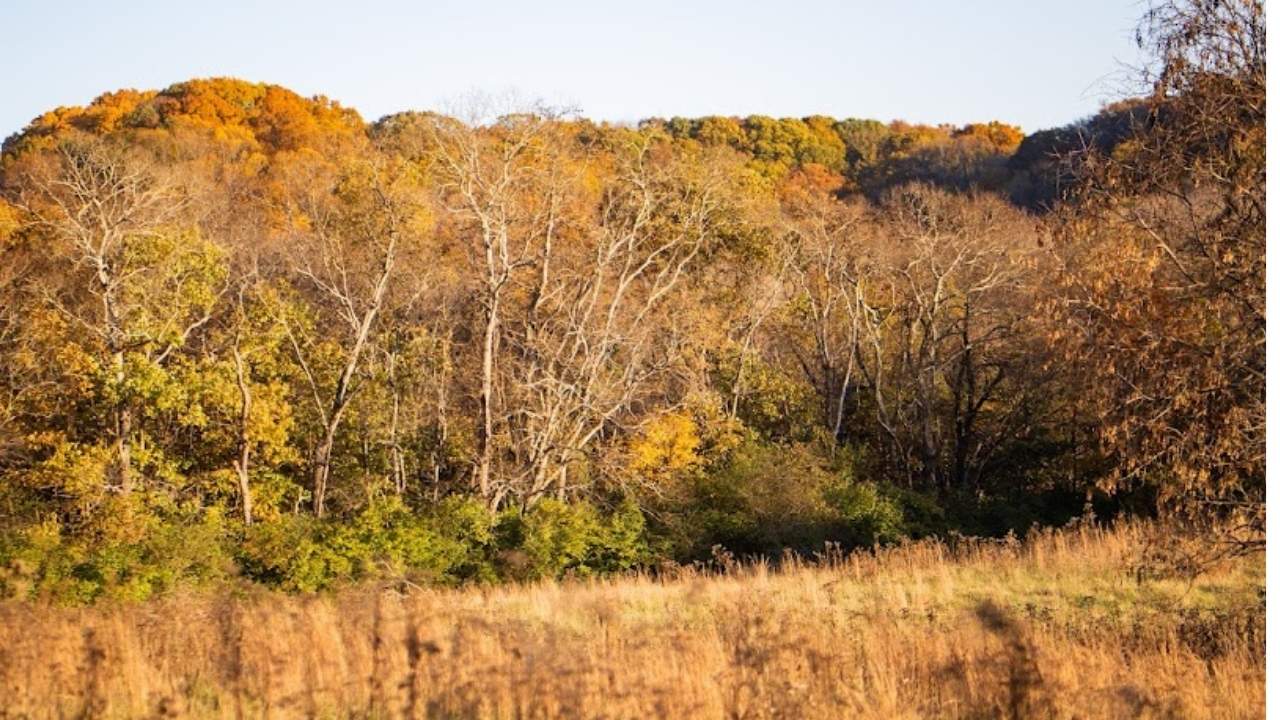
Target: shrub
(868,515)
(466,522)
(621,541)
(44,561)
(391,541)
(552,538)
(37,562)
(384,540)
(763,498)
(758,499)
(456,540)
(288,553)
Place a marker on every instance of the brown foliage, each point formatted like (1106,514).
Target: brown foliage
(1163,268)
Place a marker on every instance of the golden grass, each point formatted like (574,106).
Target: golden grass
(1058,626)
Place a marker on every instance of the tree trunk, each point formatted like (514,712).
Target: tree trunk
(124,459)
(485,462)
(124,428)
(320,468)
(397,453)
(243,446)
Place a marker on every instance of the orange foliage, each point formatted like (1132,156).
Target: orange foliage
(999,136)
(268,118)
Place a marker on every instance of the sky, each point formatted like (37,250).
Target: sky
(1033,63)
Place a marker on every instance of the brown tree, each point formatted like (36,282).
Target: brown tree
(1163,268)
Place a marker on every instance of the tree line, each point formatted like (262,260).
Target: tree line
(245,332)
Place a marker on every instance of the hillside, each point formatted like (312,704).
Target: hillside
(498,411)
(247,335)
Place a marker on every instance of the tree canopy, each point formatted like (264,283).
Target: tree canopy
(536,344)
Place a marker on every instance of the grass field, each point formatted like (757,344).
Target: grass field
(1066,624)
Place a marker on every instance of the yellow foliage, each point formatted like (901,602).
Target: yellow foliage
(999,136)
(667,445)
(8,221)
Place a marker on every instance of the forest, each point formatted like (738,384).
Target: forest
(252,339)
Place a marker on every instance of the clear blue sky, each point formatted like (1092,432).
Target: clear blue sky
(1035,63)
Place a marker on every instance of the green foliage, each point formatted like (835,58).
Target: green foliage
(922,514)
(762,498)
(872,155)
(466,521)
(174,278)
(870,517)
(458,539)
(45,562)
(554,537)
(384,540)
(774,405)
(621,541)
(862,140)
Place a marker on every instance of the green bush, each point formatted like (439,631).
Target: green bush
(868,515)
(553,538)
(289,553)
(467,522)
(44,561)
(384,540)
(757,498)
(621,541)
(764,498)
(456,540)
(398,543)
(37,562)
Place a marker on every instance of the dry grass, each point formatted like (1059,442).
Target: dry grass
(1059,626)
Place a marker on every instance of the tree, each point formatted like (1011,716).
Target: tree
(826,264)
(21,373)
(139,284)
(244,386)
(598,332)
(1162,265)
(354,227)
(945,353)
(503,193)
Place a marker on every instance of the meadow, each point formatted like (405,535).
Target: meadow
(1066,623)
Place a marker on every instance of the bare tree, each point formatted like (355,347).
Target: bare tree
(597,329)
(941,330)
(501,191)
(348,257)
(826,263)
(910,310)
